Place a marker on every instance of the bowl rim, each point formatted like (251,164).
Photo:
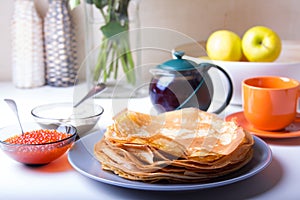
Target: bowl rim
(238,63)
(42,144)
(63,103)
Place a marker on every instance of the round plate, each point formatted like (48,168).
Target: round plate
(81,157)
(293,130)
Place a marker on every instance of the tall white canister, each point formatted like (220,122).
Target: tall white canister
(28,68)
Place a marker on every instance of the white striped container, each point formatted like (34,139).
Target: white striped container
(28,68)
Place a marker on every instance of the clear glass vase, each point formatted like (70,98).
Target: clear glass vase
(113,54)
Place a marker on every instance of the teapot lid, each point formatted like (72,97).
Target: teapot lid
(178,64)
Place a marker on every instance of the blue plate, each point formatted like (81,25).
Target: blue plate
(82,159)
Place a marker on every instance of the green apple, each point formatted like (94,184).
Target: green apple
(261,44)
(224,45)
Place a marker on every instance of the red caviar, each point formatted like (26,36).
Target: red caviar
(38,137)
(38,146)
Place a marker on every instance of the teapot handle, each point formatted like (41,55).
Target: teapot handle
(206,67)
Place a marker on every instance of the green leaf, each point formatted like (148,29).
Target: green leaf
(112,28)
(73,4)
(99,3)
(89,1)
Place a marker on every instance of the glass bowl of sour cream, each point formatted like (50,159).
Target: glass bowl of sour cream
(84,117)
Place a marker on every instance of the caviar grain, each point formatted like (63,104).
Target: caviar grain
(38,137)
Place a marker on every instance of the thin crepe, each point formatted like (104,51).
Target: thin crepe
(187,145)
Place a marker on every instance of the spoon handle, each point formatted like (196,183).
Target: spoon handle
(96,89)
(12,104)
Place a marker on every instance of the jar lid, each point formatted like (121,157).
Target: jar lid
(178,64)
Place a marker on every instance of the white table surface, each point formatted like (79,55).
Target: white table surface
(280,180)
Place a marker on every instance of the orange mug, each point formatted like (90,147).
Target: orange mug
(270,102)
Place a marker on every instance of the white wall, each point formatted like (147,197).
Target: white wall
(195,18)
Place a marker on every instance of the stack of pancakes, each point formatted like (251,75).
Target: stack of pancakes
(187,145)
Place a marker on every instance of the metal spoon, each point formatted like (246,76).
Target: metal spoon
(95,90)
(12,104)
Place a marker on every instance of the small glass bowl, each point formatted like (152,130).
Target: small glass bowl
(35,154)
(84,117)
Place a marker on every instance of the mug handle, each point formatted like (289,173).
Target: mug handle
(208,66)
(297,118)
